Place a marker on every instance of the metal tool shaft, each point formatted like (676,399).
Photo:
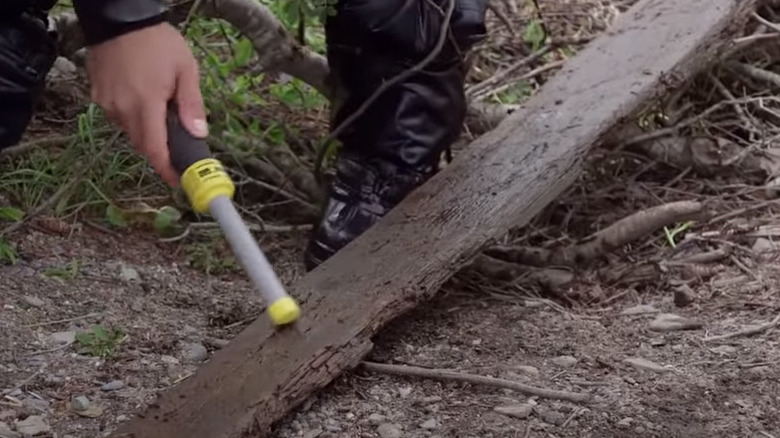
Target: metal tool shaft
(246,249)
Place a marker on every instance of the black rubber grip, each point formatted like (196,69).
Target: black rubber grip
(185,149)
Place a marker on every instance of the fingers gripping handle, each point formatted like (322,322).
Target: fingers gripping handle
(202,177)
(185,149)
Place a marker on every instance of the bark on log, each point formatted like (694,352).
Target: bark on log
(502,180)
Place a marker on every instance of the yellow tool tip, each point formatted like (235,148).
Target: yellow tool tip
(284,311)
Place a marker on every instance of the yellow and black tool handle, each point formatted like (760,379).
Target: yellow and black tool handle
(210,189)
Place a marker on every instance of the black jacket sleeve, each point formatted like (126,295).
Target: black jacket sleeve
(102,20)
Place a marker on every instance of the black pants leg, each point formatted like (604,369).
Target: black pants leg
(27,53)
(396,144)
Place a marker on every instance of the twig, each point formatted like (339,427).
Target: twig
(531,74)
(756,73)
(616,235)
(505,73)
(438,374)
(384,87)
(50,350)
(22,383)
(63,321)
(747,332)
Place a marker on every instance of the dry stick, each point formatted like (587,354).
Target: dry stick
(620,233)
(439,374)
(756,73)
(746,332)
(531,74)
(384,87)
(504,74)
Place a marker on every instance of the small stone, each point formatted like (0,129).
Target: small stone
(128,274)
(551,416)
(80,403)
(642,309)
(313,433)
(195,352)
(62,338)
(431,399)
(527,369)
(683,296)
(113,385)
(333,428)
(170,360)
(657,342)
(6,432)
(34,301)
(565,361)
(376,418)
(763,245)
(429,424)
(667,322)
(387,430)
(515,411)
(405,391)
(625,422)
(645,365)
(121,418)
(32,426)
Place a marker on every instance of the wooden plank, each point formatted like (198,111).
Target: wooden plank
(503,180)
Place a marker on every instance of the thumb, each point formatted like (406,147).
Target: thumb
(190,101)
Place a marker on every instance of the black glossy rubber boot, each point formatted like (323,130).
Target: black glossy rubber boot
(395,146)
(27,53)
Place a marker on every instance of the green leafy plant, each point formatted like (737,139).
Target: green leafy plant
(100,341)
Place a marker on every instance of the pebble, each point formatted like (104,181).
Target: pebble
(429,424)
(565,361)
(405,391)
(32,426)
(194,352)
(667,322)
(515,411)
(764,245)
(551,416)
(170,360)
(527,369)
(642,309)
(376,418)
(646,365)
(684,296)
(113,385)
(313,433)
(34,301)
(128,274)
(62,338)
(122,417)
(80,403)
(6,432)
(387,430)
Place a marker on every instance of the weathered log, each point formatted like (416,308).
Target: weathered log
(502,180)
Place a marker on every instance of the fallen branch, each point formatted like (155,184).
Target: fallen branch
(752,331)
(447,375)
(620,233)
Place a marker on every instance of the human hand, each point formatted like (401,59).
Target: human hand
(134,77)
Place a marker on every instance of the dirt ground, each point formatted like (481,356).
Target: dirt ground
(644,349)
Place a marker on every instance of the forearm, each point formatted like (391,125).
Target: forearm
(102,20)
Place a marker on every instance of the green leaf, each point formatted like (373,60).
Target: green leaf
(243,53)
(11,214)
(115,217)
(534,34)
(166,218)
